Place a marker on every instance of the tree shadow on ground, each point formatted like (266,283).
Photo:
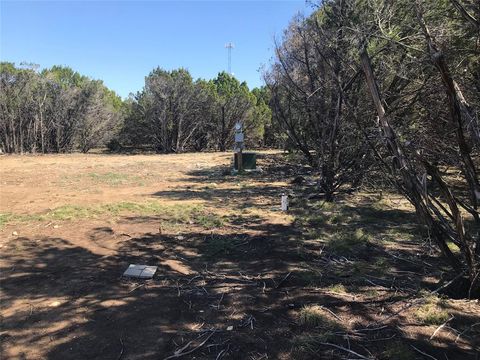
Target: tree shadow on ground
(232,197)
(242,287)
(206,282)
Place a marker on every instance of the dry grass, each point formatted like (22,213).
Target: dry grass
(432,312)
(316,316)
(321,328)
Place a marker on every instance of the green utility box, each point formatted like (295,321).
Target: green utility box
(249,161)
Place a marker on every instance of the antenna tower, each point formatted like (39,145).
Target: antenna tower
(229,46)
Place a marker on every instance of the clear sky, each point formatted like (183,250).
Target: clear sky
(120,42)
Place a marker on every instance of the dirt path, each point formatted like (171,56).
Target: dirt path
(236,276)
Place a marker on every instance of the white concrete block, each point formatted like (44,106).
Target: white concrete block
(140,271)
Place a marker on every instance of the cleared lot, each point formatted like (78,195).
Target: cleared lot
(237,278)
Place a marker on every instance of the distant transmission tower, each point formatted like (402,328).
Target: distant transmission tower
(229,46)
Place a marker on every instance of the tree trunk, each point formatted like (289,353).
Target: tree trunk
(410,185)
(222,140)
(462,116)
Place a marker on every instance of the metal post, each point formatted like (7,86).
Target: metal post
(239,145)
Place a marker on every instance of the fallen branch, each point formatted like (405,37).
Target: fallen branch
(407,260)
(193,278)
(371,329)
(179,352)
(222,353)
(122,350)
(440,327)
(220,301)
(423,353)
(331,312)
(463,332)
(136,287)
(381,339)
(283,280)
(347,350)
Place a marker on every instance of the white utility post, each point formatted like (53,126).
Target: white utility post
(239,145)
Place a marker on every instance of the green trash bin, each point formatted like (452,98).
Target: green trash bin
(249,161)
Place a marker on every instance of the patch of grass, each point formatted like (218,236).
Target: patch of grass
(338,214)
(312,225)
(338,289)
(314,315)
(317,220)
(401,232)
(179,213)
(293,157)
(347,242)
(371,293)
(361,235)
(357,268)
(337,219)
(379,214)
(112,178)
(309,277)
(397,351)
(236,219)
(321,329)
(350,269)
(328,206)
(381,263)
(432,312)
(69,212)
(310,342)
(5,218)
(209,221)
(311,220)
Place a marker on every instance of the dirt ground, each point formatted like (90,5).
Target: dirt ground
(236,279)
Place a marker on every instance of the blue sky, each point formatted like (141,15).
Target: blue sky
(120,42)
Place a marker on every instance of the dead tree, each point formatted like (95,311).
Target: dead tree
(442,214)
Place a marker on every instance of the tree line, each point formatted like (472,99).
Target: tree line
(59,110)
(56,110)
(174,113)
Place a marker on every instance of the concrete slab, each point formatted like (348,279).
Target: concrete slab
(140,271)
